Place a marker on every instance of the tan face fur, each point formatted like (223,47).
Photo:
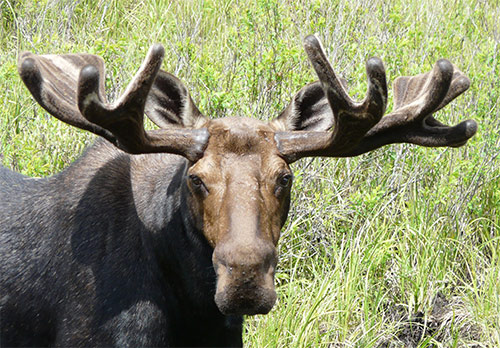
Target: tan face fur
(241,189)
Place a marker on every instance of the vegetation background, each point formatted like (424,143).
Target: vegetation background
(395,248)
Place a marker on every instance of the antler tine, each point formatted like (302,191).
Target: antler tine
(351,119)
(124,118)
(133,99)
(431,91)
(57,95)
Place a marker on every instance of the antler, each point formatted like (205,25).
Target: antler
(71,88)
(360,127)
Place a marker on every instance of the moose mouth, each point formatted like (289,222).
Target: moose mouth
(248,300)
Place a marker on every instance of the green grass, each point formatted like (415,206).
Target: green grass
(396,248)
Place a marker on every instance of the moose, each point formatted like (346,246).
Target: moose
(167,237)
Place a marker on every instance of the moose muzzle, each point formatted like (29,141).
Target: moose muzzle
(245,277)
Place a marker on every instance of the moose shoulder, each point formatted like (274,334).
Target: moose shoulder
(167,237)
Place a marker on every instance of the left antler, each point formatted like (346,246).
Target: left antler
(359,128)
(71,88)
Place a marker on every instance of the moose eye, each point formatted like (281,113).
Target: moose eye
(196,181)
(285,180)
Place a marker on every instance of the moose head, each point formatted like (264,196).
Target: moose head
(237,180)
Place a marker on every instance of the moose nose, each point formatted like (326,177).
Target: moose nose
(248,261)
(245,278)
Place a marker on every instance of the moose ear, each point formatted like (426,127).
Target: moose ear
(169,103)
(308,111)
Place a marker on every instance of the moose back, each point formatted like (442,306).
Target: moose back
(168,237)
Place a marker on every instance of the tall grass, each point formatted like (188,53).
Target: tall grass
(396,248)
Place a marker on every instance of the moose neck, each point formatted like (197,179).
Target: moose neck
(168,230)
(141,199)
(171,232)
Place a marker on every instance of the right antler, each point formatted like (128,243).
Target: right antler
(360,127)
(71,88)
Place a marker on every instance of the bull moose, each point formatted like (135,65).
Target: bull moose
(167,237)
